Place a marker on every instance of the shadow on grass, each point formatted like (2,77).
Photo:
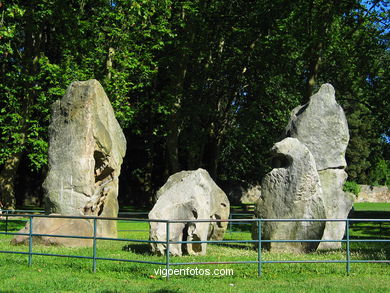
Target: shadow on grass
(239,227)
(11,225)
(374,230)
(245,246)
(143,249)
(166,291)
(156,291)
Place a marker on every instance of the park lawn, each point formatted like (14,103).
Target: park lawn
(372,206)
(48,274)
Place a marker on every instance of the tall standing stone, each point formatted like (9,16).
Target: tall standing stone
(86,148)
(291,190)
(322,127)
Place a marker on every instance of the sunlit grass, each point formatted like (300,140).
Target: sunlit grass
(48,274)
(372,206)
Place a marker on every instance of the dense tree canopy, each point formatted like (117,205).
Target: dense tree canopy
(193,83)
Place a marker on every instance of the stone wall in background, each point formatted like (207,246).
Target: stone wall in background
(370,193)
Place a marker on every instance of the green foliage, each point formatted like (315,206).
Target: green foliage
(196,83)
(380,173)
(352,186)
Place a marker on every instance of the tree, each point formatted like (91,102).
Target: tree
(48,44)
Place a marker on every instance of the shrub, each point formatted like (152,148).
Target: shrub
(380,174)
(352,186)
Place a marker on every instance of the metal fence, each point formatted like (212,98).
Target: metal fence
(168,263)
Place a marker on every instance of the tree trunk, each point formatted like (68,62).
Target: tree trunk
(211,156)
(313,72)
(172,145)
(7,181)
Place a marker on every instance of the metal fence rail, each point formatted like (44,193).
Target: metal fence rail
(167,263)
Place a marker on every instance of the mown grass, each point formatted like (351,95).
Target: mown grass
(372,206)
(55,274)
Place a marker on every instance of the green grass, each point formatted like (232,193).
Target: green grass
(49,274)
(372,206)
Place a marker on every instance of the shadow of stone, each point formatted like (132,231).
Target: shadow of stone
(245,246)
(138,248)
(156,291)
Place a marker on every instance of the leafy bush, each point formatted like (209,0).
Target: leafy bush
(352,186)
(380,174)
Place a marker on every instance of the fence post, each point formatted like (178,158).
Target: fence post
(167,251)
(348,247)
(6,221)
(259,246)
(230,223)
(30,242)
(94,245)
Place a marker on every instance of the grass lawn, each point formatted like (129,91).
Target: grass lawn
(372,206)
(48,274)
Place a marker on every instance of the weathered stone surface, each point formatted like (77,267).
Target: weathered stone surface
(291,190)
(188,195)
(251,194)
(370,193)
(337,206)
(321,126)
(85,154)
(57,226)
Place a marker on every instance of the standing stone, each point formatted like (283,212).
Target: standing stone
(337,206)
(291,190)
(322,127)
(86,149)
(188,195)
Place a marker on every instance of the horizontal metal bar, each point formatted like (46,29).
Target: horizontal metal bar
(14,252)
(84,237)
(130,260)
(130,240)
(88,218)
(253,241)
(325,261)
(198,220)
(7,212)
(212,263)
(214,241)
(304,261)
(61,236)
(14,233)
(62,255)
(303,240)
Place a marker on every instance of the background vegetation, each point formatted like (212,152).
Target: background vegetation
(194,83)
